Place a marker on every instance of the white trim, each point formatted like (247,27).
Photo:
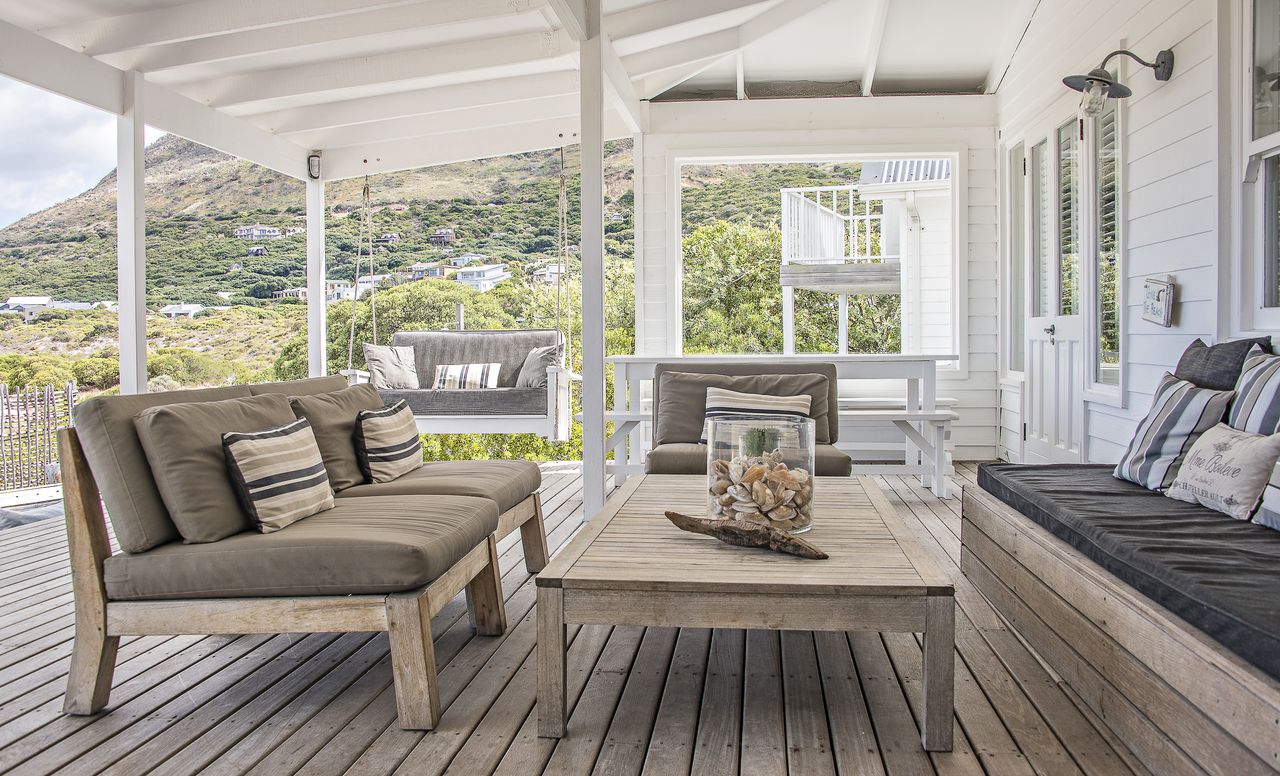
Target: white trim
(592,256)
(131,235)
(317,337)
(875,36)
(1094,391)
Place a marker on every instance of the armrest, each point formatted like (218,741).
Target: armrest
(355,376)
(560,370)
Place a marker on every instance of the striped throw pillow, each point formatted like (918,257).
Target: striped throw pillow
(1256,409)
(1179,414)
(278,473)
(387,442)
(722,402)
(451,377)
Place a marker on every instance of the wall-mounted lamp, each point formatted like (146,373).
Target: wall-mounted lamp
(313,165)
(1099,84)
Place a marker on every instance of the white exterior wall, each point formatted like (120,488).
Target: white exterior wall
(1175,170)
(770,130)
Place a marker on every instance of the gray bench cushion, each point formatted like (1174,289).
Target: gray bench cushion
(105,427)
(478,401)
(333,420)
(691,458)
(506,483)
(508,348)
(372,545)
(680,394)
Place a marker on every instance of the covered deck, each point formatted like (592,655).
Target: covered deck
(655,700)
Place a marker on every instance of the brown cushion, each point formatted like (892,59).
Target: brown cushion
(506,483)
(680,400)
(184,448)
(305,387)
(333,420)
(686,458)
(105,427)
(361,546)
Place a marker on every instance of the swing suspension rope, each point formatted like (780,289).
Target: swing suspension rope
(365,242)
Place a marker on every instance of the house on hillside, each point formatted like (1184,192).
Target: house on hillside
(464,259)
(443,236)
(257,250)
(483,277)
(389,237)
(426,269)
(547,275)
(367,283)
(183,310)
(258,232)
(291,231)
(334,291)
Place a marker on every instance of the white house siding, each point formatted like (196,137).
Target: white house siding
(1173,172)
(850,128)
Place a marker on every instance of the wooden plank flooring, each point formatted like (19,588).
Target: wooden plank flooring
(642,701)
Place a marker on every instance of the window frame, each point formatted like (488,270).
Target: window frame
(1252,313)
(1016,157)
(1095,391)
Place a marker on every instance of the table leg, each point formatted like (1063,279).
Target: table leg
(551,663)
(939,460)
(911,454)
(939,673)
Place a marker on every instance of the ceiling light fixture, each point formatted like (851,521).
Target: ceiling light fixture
(1099,84)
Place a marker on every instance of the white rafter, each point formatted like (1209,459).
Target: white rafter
(572,15)
(417,102)
(464,61)
(665,14)
(1019,18)
(619,89)
(316,32)
(875,36)
(198,20)
(712,46)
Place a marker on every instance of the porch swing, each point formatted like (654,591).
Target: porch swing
(541,408)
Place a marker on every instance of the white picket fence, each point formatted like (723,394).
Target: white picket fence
(29,421)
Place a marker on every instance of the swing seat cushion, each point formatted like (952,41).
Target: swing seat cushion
(471,401)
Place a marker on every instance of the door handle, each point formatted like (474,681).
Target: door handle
(1051,330)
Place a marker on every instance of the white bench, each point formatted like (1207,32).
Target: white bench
(926,431)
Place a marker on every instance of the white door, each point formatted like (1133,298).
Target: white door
(1054,404)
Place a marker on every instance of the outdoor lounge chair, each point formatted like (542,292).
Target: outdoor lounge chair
(379,560)
(680,400)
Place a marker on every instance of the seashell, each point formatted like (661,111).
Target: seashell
(736,471)
(786,478)
(719,468)
(753,517)
(745,506)
(725,499)
(800,475)
(802,497)
(782,513)
(740,492)
(787,496)
(754,474)
(720,486)
(761,495)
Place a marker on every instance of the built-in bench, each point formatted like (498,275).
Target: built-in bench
(1162,616)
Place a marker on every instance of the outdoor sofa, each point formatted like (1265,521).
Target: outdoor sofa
(386,557)
(1162,615)
(680,400)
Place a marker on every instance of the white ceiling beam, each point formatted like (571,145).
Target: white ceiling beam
(198,20)
(572,15)
(702,49)
(1019,19)
(740,67)
(781,15)
(469,60)
(619,89)
(657,83)
(417,102)
(560,107)
(315,32)
(32,59)
(460,147)
(875,37)
(665,14)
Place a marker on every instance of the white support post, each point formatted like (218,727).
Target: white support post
(592,139)
(317,335)
(131,236)
(842,341)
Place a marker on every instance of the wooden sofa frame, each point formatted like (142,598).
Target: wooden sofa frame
(1179,700)
(406,616)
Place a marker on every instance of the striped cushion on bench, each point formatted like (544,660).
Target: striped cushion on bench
(279,474)
(387,442)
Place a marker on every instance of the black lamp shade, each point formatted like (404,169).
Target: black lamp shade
(1081,82)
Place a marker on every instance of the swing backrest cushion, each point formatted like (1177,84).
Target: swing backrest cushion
(507,348)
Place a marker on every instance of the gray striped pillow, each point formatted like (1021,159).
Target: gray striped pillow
(1180,412)
(278,473)
(451,377)
(722,402)
(1257,410)
(387,442)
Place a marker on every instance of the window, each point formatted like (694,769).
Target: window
(1266,68)
(1041,229)
(1017,273)
(1068,220)
(1107,249)
(1271,231)
(1259,277)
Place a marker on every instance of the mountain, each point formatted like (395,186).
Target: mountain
(504,207)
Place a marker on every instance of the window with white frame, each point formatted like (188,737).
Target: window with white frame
(1068,220)
(1260,276)
(1017,258)
(1105,258)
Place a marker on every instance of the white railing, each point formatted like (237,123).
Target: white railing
(830,225)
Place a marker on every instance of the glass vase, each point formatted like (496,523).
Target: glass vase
(760,469)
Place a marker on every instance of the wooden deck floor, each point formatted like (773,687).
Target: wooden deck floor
(654,701)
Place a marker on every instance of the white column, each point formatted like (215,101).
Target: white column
(131,237)
(317,336)
(842,339)
(788,319)
(592,103)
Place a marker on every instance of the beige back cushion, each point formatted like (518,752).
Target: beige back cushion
(305,387)
(183,443)
(680,394)
(333,420)
(119,464)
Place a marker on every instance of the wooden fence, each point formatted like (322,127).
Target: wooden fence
(29,421)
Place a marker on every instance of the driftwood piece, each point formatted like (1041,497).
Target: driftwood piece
(746,534)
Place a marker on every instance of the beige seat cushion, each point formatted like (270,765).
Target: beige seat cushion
(333,420)
(184,448)
(685,458)
(104,425)
(361,546)
(506,483)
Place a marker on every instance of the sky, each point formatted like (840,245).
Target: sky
(51,149)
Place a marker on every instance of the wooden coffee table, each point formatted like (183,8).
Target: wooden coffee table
(630,566)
